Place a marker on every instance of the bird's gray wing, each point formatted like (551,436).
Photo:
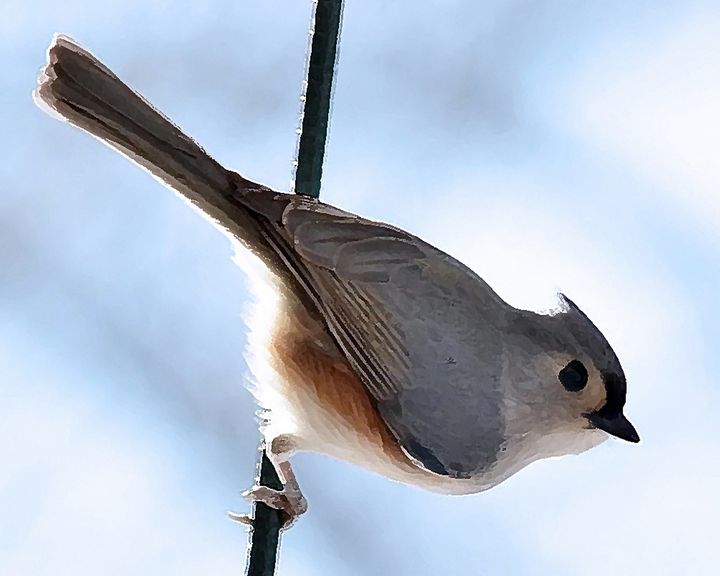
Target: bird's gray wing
(418,326)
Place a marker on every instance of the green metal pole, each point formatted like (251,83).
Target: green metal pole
(318,96)
(265,535)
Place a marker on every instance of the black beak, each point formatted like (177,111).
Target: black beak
(618,426)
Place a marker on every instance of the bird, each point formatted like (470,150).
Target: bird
(368,344)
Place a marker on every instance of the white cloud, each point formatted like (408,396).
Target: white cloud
(658,517)
(652,102)
(90,493)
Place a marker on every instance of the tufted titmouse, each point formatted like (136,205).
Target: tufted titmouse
(381,349)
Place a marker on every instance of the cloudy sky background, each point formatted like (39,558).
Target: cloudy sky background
(549,145)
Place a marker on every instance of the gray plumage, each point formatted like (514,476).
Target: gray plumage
(453,370)
(421,329)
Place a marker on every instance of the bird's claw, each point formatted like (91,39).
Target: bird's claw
(240,518)
(291,504)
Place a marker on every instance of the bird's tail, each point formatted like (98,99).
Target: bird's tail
(80,89)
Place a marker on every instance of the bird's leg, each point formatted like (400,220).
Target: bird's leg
(290,500)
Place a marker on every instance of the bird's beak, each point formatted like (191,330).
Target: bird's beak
(618,426)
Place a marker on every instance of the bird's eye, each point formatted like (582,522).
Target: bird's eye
(574,376)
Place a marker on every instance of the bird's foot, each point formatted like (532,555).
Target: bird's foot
(291,503)
(290,500)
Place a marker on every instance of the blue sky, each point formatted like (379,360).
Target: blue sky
(548,145)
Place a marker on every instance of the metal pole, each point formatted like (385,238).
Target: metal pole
(265,534)
(317,97)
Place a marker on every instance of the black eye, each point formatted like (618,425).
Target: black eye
(574,376)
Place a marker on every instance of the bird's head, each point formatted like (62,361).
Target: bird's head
(565,376)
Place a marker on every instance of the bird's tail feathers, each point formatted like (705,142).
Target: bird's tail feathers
(76,87)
